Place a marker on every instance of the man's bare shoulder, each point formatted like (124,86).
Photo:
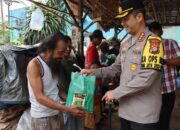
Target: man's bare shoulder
(33,66)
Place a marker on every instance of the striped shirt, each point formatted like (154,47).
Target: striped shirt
(171,50)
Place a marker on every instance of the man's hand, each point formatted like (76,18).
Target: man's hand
(173,61)
(87,71)
(76,111)
(108,96)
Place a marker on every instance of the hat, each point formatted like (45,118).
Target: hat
(127,6)
(97,33)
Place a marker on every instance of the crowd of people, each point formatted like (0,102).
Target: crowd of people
(145,64)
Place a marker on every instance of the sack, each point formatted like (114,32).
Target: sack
(81,91)
(25,121)
(13,81)
(37,20)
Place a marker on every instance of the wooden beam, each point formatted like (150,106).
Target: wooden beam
(89,4)
(93,6)
(154,10)
(97,19)
(88,26)
(81,8)
(46,6)
(120,30)
(85,15)
(123,37)
(71,13)
(178,15)
(164,12)
(52,11)
(171,24)
(74,2)
(160,18)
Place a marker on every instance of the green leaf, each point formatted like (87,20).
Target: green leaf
(52,23)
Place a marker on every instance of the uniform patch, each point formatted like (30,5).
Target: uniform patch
(133,67)
(120,9)
(153,54)
(141,37)
(154,46)
(134,58)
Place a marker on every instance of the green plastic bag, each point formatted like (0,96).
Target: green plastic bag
(81,91)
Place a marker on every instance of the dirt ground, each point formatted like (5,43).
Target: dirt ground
(175,119)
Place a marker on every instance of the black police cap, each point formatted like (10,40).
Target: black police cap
(127,6)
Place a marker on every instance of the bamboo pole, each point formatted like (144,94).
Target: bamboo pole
(81,22)
(2,17)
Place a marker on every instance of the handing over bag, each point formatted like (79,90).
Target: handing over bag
(81,91)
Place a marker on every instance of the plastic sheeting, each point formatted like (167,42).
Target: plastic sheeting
(25,121)
(37,20)
(13,82)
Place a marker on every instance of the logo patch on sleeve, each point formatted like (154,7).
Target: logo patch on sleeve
(153,54)
(154,46)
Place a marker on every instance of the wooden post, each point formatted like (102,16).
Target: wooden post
(81,36)
(2,16)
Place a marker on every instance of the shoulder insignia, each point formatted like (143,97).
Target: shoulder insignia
(141,37)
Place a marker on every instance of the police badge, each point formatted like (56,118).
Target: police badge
(154,46)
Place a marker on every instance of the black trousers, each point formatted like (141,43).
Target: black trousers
(129,125)
(168,101)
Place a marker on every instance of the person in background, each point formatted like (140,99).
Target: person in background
(92,53)
(114,51)
(105,60)
(66,68)
(92,119)
(104,47)
(42,74)
(139,91)
(115,46)
(171,60)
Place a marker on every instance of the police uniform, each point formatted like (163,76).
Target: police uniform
(139,64)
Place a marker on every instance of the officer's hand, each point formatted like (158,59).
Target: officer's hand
(108,97)
(76,111)
(87,71)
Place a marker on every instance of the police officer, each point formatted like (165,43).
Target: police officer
(139,64)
